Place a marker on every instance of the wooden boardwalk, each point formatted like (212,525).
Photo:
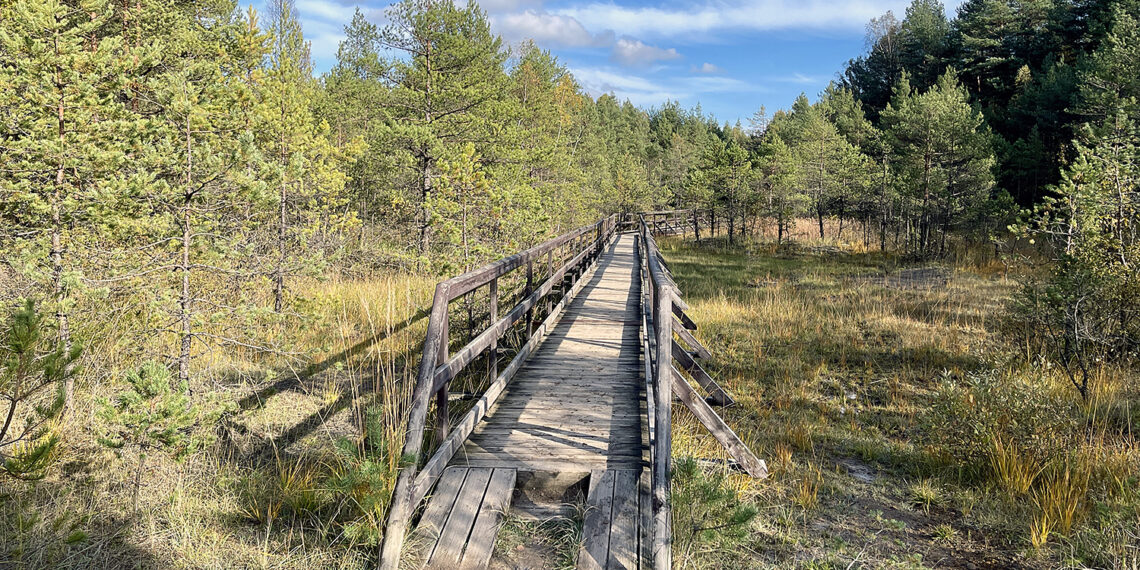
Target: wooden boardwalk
(578,404)
(579,416)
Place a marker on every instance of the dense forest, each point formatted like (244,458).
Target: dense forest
(175,176)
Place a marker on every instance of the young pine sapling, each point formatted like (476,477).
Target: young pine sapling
(32,367)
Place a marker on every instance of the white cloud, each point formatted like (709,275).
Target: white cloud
(325,10)
(544,28)
(501,6)
(647,92)
(741,15)
(706,68)
(799,78)
(631,52)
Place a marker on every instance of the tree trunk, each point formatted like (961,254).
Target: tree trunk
(425,159)
(58,287)
(279,273)
(184,301)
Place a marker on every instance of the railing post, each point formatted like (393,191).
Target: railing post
(550,275)
(663,324)
(442,418)
(493,352)
(527,291)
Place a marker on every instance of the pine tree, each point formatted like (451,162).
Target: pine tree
(1088,309)
(782,195)
(61,138)
(943,155)
(449,90)
(33,374)
(199,149)
(150,416)
(301,162)
(352,103)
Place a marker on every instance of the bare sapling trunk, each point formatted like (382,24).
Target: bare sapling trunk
(184,300)
(279,272)
(58,287)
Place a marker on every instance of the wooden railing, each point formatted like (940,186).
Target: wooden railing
(663,317)
(576,251)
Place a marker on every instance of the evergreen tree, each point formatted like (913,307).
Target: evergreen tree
(301,162)
(33,373)
(1088,309)
(943,156)
(61,138)
(449,90)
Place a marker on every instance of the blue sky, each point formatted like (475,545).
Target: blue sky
(730,56)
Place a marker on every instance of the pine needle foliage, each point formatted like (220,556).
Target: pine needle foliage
(33,370)
(151,415)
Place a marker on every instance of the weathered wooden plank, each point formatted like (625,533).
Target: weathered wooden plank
(624,525)
(495,502)
(690,340)
(720,430)
(715,392)
(439,506)
(685,320)
(645,520)
(556,465)
(449,547)
(596,525)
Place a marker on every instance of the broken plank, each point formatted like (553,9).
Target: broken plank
(596,525)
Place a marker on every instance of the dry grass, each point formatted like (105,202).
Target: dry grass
(836,365)
(263,495)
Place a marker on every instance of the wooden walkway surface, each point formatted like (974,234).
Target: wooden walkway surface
(576,406)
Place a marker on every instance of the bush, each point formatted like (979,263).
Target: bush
(985,419)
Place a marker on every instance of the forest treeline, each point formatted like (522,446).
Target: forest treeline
(150,148)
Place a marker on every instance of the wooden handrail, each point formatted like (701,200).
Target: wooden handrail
(664,314)
(438,367)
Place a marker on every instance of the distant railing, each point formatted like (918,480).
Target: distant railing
(576,250)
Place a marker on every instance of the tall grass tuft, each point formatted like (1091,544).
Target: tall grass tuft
(1060,499)
(1013,471)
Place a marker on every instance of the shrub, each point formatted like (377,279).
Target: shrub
(152,416)
(31,369)
(987,420)
(709,520)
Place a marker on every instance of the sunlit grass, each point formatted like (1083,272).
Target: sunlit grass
(835,360)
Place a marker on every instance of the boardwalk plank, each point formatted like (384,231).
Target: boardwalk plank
(624,523)
(495,503)
(596,526)
(449,547)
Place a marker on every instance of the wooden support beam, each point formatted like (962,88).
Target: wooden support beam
(716,393)
(739,452)
(690,340)
(686,322)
